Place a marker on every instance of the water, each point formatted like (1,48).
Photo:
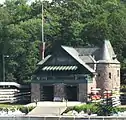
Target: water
(62,118)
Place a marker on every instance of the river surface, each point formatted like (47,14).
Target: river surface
(62,118)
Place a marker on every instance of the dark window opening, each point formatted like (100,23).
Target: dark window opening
(47,93)
(117,73)
(110,75)
(98,74)
(71,92)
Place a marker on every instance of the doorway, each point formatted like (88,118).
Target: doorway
(71,92)
(47,93)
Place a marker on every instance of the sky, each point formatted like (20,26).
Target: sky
(2,1)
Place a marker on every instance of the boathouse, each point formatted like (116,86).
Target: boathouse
(70,73)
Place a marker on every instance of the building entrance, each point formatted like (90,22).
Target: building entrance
(71,92)
(47,93)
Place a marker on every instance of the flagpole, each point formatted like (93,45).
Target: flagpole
(43,42)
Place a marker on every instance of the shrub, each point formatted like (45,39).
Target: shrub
(22,108)
(84,107)
(106,110)
(121,109)
(68,109)
(26,109)
(97,108)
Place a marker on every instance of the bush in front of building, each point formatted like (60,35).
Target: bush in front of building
(105,110)
(96,108)
(12,108)
(86,108)
(121,109)
(25,110)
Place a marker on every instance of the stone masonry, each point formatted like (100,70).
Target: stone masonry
(82,92)
(59,91)
(101,64)
(108,77)
(35,92)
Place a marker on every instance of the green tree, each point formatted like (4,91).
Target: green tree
(70,22)
(19,40)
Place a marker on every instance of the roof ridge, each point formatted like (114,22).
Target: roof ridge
(86,47)
(44,60)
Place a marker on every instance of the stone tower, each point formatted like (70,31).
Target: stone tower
(108,69)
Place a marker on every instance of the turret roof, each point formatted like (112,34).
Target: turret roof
(108,54)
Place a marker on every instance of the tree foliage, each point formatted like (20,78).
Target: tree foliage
(69,22)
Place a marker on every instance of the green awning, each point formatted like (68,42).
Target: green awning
(59,68)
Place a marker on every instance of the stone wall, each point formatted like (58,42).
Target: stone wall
(35,92)
(59,91)
(82,92)
(108,77)
(91,84)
